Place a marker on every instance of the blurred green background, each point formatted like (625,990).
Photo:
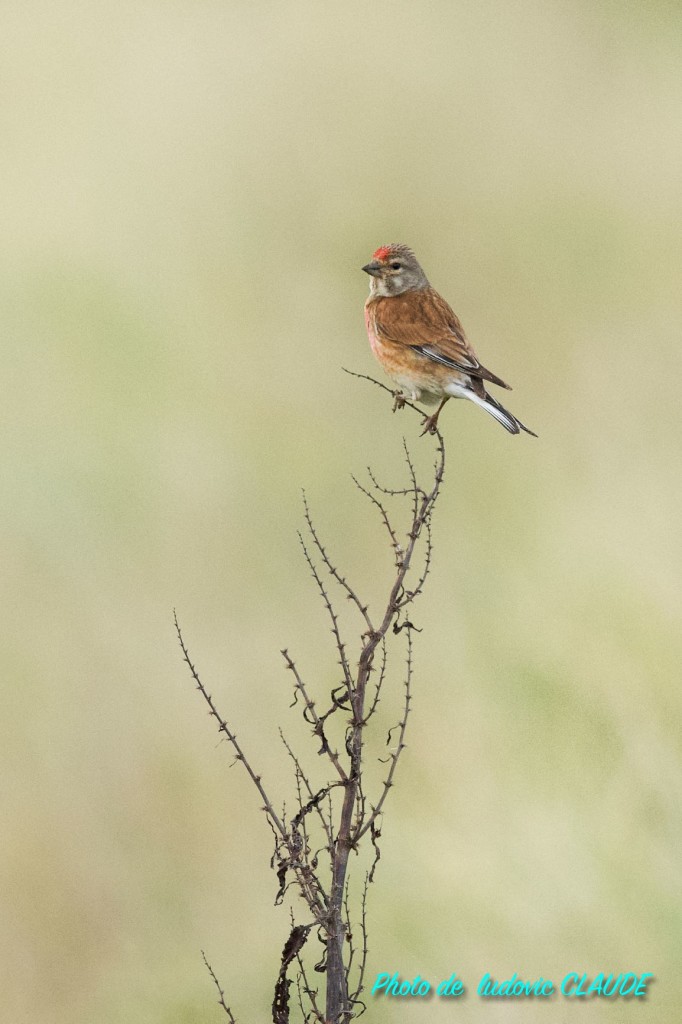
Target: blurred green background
(189,191)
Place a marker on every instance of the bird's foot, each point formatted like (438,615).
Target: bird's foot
(398,400)
(430,424)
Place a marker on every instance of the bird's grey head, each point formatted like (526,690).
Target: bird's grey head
(393,270)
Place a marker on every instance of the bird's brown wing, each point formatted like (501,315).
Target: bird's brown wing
(423,321)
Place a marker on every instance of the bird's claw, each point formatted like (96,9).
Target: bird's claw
(430,425)
(398,400)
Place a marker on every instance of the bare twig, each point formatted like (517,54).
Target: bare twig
(340,646)
(333,571)
(417,492)
(224,728)
(365,951)
(375,833)
(313,719)
(320,822)
(364,376)
(424,501)
(306,988)
(395,755)
(221,1000)
(314,800)
(384,516)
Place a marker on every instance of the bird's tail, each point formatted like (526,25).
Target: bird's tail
(502,415)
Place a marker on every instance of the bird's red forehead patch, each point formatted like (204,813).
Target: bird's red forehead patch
(382,253)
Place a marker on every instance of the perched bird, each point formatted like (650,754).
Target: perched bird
(420,342)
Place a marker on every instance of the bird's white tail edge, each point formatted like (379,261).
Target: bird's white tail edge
(507,419)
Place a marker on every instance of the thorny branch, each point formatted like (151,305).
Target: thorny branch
(333,818)
(393,757)
(221,994)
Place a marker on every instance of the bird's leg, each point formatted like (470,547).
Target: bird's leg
(399,400)
(431,422)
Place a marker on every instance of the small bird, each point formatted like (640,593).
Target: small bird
(420,342)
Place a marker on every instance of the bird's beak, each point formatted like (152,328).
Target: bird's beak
(373,268)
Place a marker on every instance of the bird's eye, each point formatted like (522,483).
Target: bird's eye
(396,266)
